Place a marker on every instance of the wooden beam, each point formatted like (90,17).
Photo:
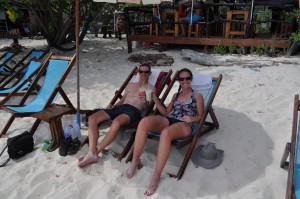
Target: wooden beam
(275,43)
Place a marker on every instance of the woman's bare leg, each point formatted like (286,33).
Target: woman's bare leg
(167,136)
(150,123)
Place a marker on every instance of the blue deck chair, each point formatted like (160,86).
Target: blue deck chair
(292,149)
(23,83)
(32,54)
(41,106)
(198,130)
(5,58)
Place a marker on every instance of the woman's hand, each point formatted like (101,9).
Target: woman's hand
(187,119)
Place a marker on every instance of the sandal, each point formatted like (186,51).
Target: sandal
(74,147)
(64,146)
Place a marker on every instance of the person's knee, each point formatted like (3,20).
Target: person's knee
(96,118)
(165,135)
(116,124)
(92,120)
(144,123)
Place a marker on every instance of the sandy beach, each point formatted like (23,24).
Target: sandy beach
(254,107)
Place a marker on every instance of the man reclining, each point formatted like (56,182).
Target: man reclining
(127,110)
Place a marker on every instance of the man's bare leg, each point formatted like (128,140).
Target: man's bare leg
(113,131)
(93,135)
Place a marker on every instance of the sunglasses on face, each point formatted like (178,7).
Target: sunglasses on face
(144,71)
(184,78)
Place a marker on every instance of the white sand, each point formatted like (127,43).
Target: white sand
(253,106)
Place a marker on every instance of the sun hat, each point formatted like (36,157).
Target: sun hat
(207,156)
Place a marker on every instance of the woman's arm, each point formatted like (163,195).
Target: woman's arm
(163,111)
(200,109)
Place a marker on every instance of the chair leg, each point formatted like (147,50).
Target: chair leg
(7,125)
(150,29)
(185,160)
(127,147)
(129,158)
(287,150)
(190,30)
(193,30)
(213,117)
(85,141)
(35,126)
(56,129)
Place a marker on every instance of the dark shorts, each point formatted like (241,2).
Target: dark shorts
(127,109)
(133,113)
(174,120)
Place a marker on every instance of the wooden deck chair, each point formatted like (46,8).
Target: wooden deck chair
(292,149)
(5,58)
(22,82)
(32,54)
(41,106)
(198,130)
(158,78)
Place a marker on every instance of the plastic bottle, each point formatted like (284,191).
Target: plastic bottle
(72,132)
(45,144)
(67,131)
(76,129)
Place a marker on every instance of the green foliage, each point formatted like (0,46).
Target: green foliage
(107,9)
(219,49)
(252,50)
(263,15)
(11,10)
(289,15)
(295,36)
(239,50)
(231,47)
(262,49)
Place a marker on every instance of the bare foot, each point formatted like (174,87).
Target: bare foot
(87,159)
(81,158)
(152,186)
(133,166)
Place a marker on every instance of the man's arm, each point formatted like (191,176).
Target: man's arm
(110,106)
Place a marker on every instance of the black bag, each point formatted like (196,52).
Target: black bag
(20,145)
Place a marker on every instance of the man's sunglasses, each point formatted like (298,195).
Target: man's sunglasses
(144,71)
(184,78)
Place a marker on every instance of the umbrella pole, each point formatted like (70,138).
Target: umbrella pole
(77,59)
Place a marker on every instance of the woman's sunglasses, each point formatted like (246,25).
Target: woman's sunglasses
(184,78)
(144,71)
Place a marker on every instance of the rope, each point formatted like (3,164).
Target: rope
(81,37)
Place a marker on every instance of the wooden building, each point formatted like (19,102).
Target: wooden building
(238,24)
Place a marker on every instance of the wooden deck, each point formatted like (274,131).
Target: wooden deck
(274,43)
